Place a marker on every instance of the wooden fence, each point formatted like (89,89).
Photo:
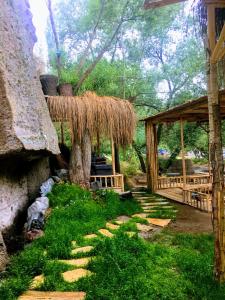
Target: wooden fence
(177,181)
(198,198)
(115,182)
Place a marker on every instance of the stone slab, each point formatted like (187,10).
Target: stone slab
(35,295)
(143,227)
(159,222)
(90,236)
(112,226)
(141,215)
(124,219)
(75,275)
(85,249)
(37,282)
(80,262)
(106,232)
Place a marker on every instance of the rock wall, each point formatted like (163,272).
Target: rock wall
(24,118)
(20,181)
(27,134)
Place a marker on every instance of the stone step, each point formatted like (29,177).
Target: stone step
(36,295)
(122,220)
(155,204)
(37,282)
(85,249)
(112,226)
(141,215)
(76,274)
(106,232)
(90,236)
(159,222)
(79,262)
(143,227)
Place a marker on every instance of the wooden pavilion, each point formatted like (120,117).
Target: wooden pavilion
(91,118)
(211,15)
(194,190)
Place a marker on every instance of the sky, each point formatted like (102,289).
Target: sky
(40,17)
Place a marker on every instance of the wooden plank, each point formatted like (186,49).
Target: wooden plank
(149,4)
(31,295)
(219,50)
(113,155)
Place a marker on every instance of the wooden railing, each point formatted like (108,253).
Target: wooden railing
(115,182)
(177,181)
(199,199)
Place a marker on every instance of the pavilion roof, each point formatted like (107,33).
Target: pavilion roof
(191,111)
(158,3)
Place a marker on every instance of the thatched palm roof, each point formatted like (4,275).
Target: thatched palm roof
(101,116)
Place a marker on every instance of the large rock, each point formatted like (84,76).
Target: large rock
(27,135)
(24,117)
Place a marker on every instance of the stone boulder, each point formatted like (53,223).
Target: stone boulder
(24,117)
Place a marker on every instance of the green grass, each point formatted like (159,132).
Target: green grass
(170,266)
(76,212)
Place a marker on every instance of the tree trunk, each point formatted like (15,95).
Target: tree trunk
(216,155)
(86,157)
(172,157)
(3,254)
(140,156)
(76,171)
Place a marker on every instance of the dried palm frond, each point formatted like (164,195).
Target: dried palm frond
(101,116)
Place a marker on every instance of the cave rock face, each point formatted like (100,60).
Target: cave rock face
(25,123)
(27,135)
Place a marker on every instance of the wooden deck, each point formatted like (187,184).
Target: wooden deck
(199,200)
(175,194)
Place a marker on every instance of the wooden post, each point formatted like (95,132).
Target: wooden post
(183,153)
(113,155)
(216,155)
(151,156)
(62,132)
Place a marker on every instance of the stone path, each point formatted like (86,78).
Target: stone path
(146,225)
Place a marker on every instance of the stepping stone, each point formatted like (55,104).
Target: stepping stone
(105,232)
(159,222)
(37,282)
(141,215)
(156,204)
(74,275)
(74,244)
(90,236)
(124,219)
(112,226)
(143,227)
(85,249)
(130,233)
(36,295)
(80,262)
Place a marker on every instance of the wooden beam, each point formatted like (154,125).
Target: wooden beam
(149,4)
(183,153)
(219,50)
(113,155)
(215,3)
(151,156)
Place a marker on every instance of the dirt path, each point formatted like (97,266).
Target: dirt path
(191,220)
